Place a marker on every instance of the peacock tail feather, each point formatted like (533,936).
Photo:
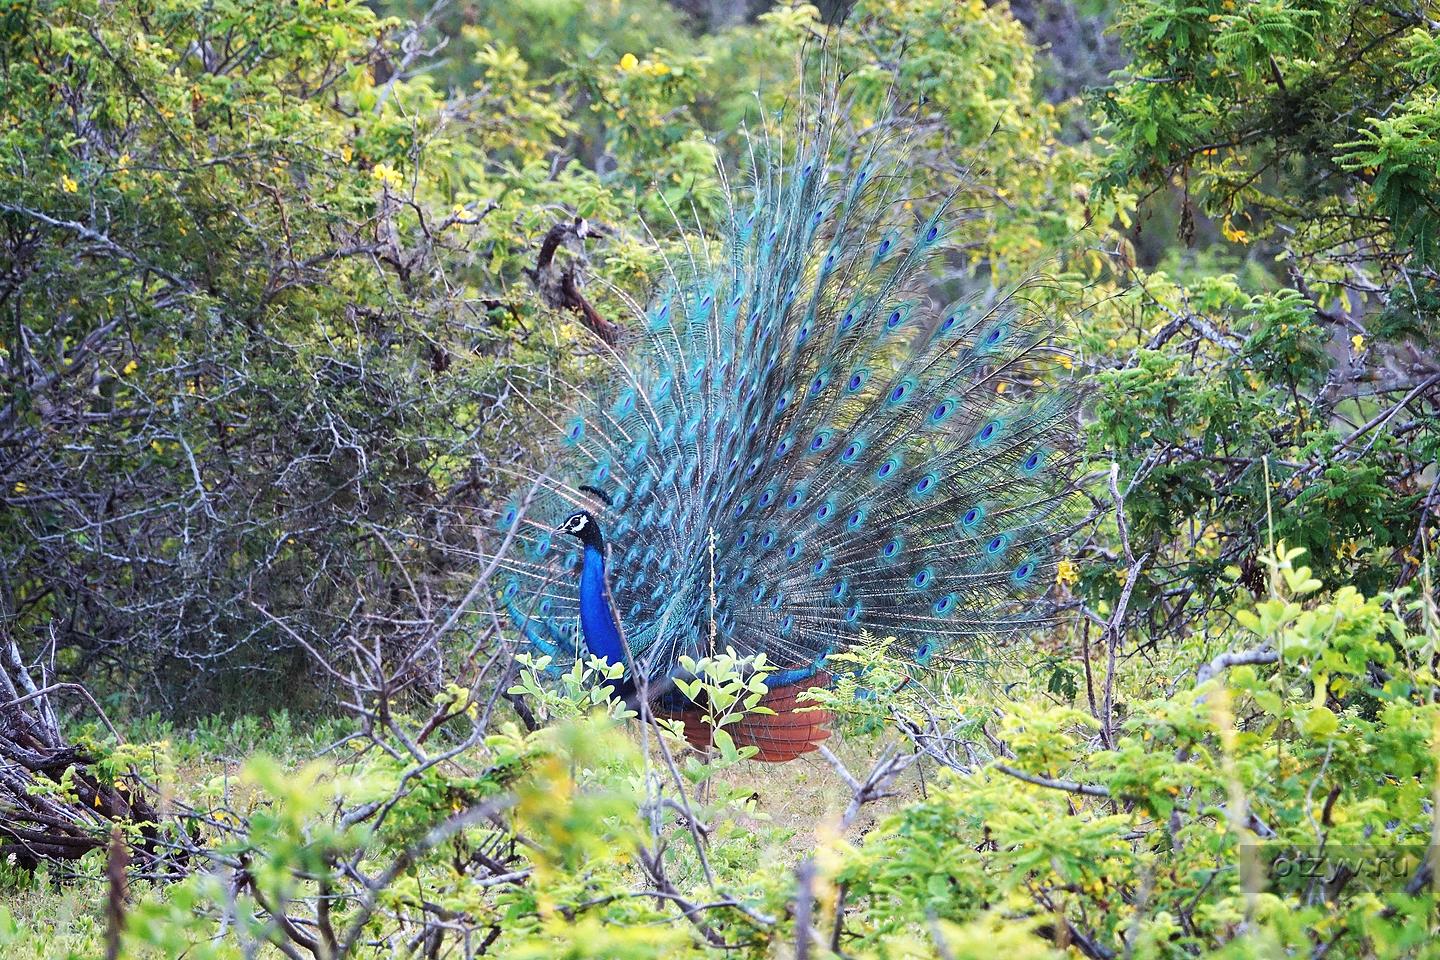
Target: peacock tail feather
(800,444)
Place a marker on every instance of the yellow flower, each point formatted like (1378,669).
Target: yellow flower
(1067,361)
(1357,343)
(157,446)
(68,184)
(658,69)
(628,62)
(20,486)
(129,368)
(1001,387)
(387,175)
(1066,573)
(346,153)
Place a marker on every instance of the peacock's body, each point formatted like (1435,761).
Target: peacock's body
(796,444)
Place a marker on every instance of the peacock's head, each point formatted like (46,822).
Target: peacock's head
(581,524)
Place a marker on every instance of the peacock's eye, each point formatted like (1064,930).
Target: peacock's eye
(994,545)
(970,517)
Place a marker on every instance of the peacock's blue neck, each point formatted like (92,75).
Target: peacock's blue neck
(597,619)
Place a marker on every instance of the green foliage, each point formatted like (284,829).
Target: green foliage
(1275,799)
(265,293)
(1328,742)
(1298,131)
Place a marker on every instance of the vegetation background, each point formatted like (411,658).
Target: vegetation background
(270,276)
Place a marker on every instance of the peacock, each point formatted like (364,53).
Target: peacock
(810,434)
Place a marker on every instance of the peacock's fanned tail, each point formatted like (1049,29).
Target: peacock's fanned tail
(800,443)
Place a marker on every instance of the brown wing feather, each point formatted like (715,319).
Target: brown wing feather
(795,728)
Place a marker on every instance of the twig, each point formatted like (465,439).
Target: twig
(1238,658)
(560,287)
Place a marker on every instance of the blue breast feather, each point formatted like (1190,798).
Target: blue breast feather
(597,620)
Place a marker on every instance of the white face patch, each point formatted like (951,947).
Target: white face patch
(576,523)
